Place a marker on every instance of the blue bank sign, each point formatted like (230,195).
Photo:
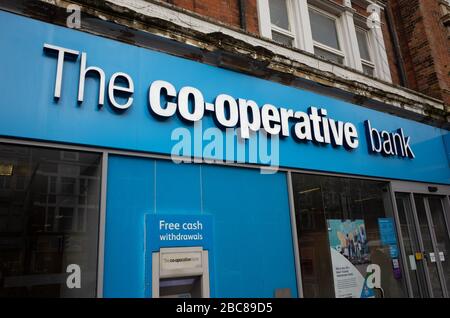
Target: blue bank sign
(164,101)
(66,86)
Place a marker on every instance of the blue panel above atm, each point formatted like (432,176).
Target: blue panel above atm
(249,236)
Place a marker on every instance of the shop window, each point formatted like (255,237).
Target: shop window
(5,182)
(341,225)
(46,223)
(20,183)
(325,36)
(69,155)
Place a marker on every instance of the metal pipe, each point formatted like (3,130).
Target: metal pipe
(242,20)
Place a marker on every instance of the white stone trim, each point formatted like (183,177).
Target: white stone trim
(380,59)
(377,46)
(264,23)
(304,26)
(350,42)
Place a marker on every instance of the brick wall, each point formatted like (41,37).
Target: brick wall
(424,46)
(225,11)
(439,49)
(390,51)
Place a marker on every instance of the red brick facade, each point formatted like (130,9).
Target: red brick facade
(424,45)
(423,39)
(225,11)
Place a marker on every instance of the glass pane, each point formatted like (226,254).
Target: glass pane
(41,233)
(328,55)
(363,44)
(279,13)
(442,236)
(344,225)
(281,38)
(428,246)
(324,29)
(317,277)
(411,244)
(185,287)
(368,70)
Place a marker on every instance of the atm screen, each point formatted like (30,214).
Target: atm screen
(182,287)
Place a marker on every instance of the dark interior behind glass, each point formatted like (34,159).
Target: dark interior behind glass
(321,198)
(49,218)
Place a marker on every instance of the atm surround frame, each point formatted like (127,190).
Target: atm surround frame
(203,273)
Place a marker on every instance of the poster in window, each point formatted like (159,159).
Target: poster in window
(349,256)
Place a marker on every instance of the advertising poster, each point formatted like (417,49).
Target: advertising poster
(389,238)
(349,256)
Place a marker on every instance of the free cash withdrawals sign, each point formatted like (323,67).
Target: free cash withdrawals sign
(178,231)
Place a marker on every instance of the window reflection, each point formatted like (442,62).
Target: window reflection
(49,213)
(356,208)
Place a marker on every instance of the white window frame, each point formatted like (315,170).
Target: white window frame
(298,22)
(377,48)
(339,32)
(346,25)
(365,62)
(291,33)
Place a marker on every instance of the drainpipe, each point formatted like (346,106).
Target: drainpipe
(397,49)
(242,20)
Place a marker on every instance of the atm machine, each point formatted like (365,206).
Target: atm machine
(180,272)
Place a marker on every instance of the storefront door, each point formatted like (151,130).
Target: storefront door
(424,225)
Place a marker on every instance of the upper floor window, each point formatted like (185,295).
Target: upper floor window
(325,36)
(327,29)
(365,51)
(280,20)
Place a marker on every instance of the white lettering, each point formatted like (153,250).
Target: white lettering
(128,89)
(198,104)
(154,95)
(240,116)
